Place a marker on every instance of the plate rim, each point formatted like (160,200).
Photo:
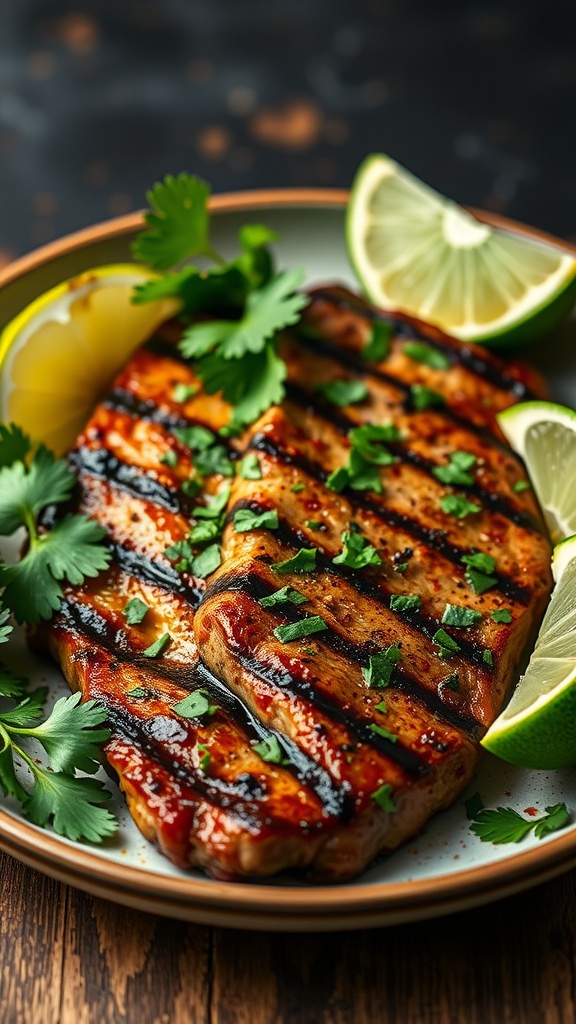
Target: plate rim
(240,903)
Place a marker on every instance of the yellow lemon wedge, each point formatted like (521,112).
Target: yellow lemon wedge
(58,356)
(415,251)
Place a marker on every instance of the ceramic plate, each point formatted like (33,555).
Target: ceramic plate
(443,870)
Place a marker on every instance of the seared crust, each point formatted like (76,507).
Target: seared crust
(232,813)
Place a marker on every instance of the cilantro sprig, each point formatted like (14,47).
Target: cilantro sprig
(72,739)
(246,301)
(30,480)
(505,825)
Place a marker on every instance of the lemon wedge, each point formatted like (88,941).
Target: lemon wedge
(417,252)
(58,356)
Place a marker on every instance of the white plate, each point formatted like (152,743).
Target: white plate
(446,868)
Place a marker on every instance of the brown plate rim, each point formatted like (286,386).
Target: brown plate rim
(248,904)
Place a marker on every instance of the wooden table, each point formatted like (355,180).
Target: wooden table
(67,958)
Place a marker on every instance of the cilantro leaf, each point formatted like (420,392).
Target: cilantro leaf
(379,730)
(9,784)
(446,643)
(215,505)
(29,710)
(70,737)
(270,750)
(344,392)
(379,345)
(455,472)
(156,649)
(503,825)
(11,685)
(250,467)
(251,384)
(206,563)
(283,596)
(485,563)
(557,816)
(425,398)
(15,445)
(479,571)
(177,225)
(501,615)
(473,805)
(420,352)
(369,440)
(268,309)
(383,797)
(24,491)
(463,618)
(205,531)
(459,507)
(195,705)
(520,486)
(381,666)
(5,627)
(405,603)
(297,630)
(71,804)
(303,561)
(135,611)
(245,519)
(357,552)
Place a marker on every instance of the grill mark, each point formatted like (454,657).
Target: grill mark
(492,501)
(143,568)
(433,538)
(86,620)
(464,354)
(144,408)
(256,587)
(365,584)
(101,463)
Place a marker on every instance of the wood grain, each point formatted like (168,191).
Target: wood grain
(67,958)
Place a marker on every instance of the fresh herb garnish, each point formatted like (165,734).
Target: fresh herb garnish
(463,618)
(245,519)
(205,757)
(344,392)
(379,345)
(451,682)
(357,552)
(72,738)
(169,458)
(479,571)
(135,611)
(270,750)
(381,706)
(488,658)
(156,649)
(501,615)
(383,797)
(520,486)
(405,603)
(314,524)
(195,705)
(5,627)
(368,452)
(205,531)
(250,467)
(196,437)
(505,825)
(184,392)
(283,596)
(70,550)
(425,398)
(302,628)
(303,561)
(380,667)
(214,507)
(447,645)
(213,460)
(379,730)
(138,692)
(459,507)
(419,352)
(206,562)
(456,470)
(297,488)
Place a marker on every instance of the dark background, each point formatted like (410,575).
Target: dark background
(97,100)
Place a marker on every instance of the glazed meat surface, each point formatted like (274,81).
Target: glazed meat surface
(296,752)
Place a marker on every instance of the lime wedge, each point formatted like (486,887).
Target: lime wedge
(544,434)
(60,353)
(538,727)
(417,252)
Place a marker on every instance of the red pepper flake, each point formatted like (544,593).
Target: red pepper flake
(532,811)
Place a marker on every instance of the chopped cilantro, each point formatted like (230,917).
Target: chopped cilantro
(297,630)
(456,470)
(191,487)
(447,645)
(520,486)
(213,460)
(297,488)
(451,682)
(501,615)
(383,797)
(505,825)
(488,658)
(459,507)
(206,562)
(379,345)
(183,392)
(463,618)
(283,596)
(314,524)
(357,552)
(381,706)
(215,505)
(379,730)
(205,531)
(5,627)
(196,437)
(157,648)
(425,398)
(405,603)
(303,561)
(135,611)
(195,705)
(380,667)
(485,563)
(169,458)
(250,467)
(270,750)
(400,566)
(205,757)
(337,480)
(245,519)
(344,392)
(370,439)
(139,692)
(419,352)
(479,571)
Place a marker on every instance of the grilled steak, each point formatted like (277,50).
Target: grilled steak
(318,751)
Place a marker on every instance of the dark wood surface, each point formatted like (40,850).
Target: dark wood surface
(67,958)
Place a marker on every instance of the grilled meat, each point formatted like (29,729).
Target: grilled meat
(296,761)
